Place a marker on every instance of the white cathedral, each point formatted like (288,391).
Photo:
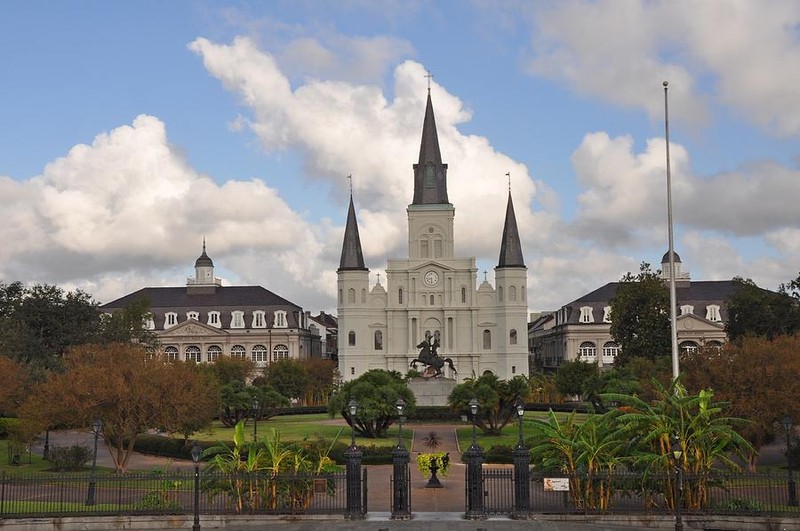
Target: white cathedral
(433,293)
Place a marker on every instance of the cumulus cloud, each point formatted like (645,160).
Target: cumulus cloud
(348,128)
(620,53)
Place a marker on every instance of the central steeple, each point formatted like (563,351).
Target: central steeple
(430,174)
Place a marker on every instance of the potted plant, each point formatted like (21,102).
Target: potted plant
(431,464)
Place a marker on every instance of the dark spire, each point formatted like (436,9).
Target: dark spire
(430,175)
(510,247)
(203,260)
(352,257)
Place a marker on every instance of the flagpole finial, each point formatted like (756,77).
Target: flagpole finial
(665,83)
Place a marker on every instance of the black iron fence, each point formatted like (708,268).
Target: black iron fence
(717,493)
(172,493)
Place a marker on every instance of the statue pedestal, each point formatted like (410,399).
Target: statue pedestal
(431,391)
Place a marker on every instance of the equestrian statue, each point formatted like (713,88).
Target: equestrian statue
(429,357)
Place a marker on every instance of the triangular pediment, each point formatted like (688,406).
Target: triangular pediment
(193,328)
(430,264)
(691,321)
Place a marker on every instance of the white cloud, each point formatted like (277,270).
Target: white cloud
(621,52)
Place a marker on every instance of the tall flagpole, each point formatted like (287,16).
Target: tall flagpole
(673,318)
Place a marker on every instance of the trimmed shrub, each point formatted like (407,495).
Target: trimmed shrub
(69,459)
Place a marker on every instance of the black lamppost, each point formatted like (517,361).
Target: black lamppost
(788,428)
(400,506)
(522,459)
(474,455)
(255,419)
(97,425)
(353,476)
(46,452)
(196,453)
(677,453)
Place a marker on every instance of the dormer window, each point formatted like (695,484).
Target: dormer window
(607,314)
(237,319)
(213,319)
(280,319)
(687,309)
(149,323)
(586,314)
(712,313)
(193,315)
(170,319)
(259,319)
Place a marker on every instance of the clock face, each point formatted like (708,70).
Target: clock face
(431,278)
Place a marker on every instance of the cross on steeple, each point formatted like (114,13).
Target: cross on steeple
(429,76)
(351,183)
(508,174)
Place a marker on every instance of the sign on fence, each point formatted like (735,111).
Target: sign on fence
(556,484)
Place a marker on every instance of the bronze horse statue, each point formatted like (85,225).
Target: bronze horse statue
(429,357)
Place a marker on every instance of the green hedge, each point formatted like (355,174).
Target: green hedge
(370,454)
(437,413)
(168,446)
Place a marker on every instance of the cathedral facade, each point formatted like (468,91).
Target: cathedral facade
(433,294)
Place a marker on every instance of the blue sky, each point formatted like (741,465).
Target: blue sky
(131,131)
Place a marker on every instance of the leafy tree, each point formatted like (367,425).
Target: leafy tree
(237,402)
(497,399)
(130,389)
(128,324)
(756,376)
(574,377)
(195,398)
(322,378)
(38,323)
(640,316)
(13,386)
(288,376)
(227,369)
(376,392)
(759,312)
(542,388)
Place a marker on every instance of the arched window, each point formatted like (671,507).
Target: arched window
(487,339)
(351,295)
(688,347)
(610,350)
(512,293)
(351,338)
(280,352)
(363,296)
(238,351)
(587,351)
(259,354)
(193,354)
(378,340)
(341,299)
(500,293)
(213,353)
(512,337)
(400,296)
(193,315)
(171,353)
(463,294)
(432,303)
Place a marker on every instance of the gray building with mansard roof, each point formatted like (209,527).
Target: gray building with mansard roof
(204,320)
(581,328)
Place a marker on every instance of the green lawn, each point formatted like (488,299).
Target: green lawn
(292,428)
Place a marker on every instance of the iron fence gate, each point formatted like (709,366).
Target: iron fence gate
(498,490)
